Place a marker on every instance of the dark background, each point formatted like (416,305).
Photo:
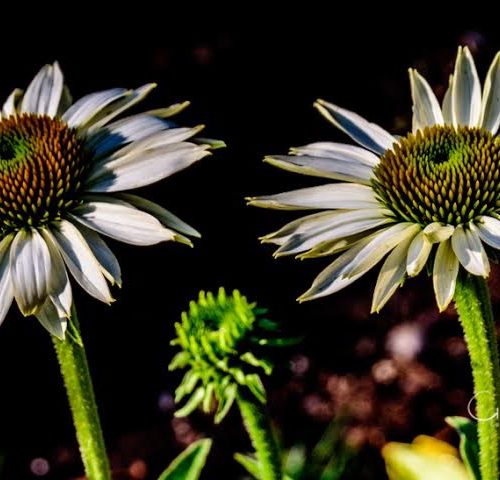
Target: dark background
(252,80)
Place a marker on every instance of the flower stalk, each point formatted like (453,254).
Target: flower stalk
(476,317)
(75,372)
(258,425)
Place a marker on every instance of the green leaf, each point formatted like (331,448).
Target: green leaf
(189,464)
(251,465)
(469,446)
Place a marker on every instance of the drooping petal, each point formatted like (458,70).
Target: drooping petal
(444,277)
(44,92)
(140,168)
(83,110)
(110,266)
(437,232)
(166,217)
(391,275)
(31,269)
(51,319)
(360,258)
(60,290)
(426,109)
(323,167)
(122,222)
(418,253)
(114,109)
(490,110)
(11,104)
(489,231)
(6,287)
(367,134)
(470,251)
(382,244)
(334,195)
(331,279)
(466,91)
(81,261)
(338,151)
(446,107)
(340,226)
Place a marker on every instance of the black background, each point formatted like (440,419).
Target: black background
(252,80)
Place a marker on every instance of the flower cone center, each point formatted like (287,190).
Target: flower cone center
(441,174)
(42,162)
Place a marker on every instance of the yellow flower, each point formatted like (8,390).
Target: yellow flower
(425,459)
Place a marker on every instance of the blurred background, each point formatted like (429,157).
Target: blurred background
(252,80)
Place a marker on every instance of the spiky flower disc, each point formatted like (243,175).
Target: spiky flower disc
(398,197)
(221,337)
(63,168)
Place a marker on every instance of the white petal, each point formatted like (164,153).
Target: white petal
(138,169)
(334,195)
(470,251)
(6,287)
(83,110)
(166,217)
(426,109)
(60,290)
(44,92)
(444,277)
(302,225)
(110,266)
(365,133)
(418,254)
(114,109)
(391,275)
(490,110)
(323,167)
(343,225)
(50,318)
(489,231)
(381,244)
(466,92)
(126,130)
(437,232)
(446,108)
(11,104)
(81,261)
(358,260)
(157,140)
(122,222)
(65,102)
(331,279)
(31,270)
(338,151)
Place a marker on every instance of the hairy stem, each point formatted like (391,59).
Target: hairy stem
(474,308)
(78,383)
(258,425)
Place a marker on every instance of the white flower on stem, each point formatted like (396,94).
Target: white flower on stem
(63,166)
(431,196)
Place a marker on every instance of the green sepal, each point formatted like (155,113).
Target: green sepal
(469,445)
(189,464)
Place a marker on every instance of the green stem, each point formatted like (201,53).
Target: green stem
(76,375)
(473,303)
(258,425)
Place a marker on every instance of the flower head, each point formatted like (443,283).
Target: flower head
(63,166)
(221,337)
(425,459)
(432,194)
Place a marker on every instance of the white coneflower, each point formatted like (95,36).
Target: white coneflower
(437,186)
(62,165)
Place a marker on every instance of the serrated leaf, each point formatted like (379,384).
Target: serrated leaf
(469,445)
(189,464)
